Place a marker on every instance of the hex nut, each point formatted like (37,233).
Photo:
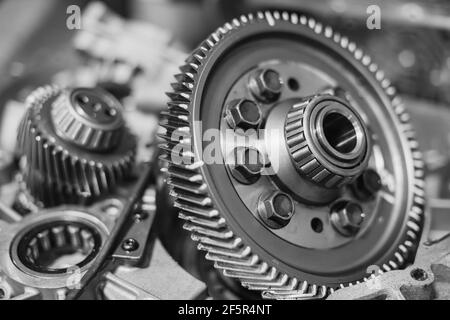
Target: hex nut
(276,209)
(244,114)
(347,217)
(266,85)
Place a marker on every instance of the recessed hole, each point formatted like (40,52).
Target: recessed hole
(419,274)
(339,132)
(317,225)
(293,84)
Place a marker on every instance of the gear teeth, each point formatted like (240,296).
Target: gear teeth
(52,174)
(228,252)
(241,261)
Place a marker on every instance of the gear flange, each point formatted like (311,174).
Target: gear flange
(306,257)
(75,145)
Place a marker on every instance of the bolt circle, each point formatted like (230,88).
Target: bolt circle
(130,245)
(94,106)
(266,85)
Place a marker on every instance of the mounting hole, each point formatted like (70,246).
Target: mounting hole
(339,132)
(419,274)
(293,84)
(317,225)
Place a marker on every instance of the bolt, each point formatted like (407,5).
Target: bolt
(248,165)
(367,185)
(266,85)
(276,209)
(130,245)
(140,215)
(244,114)
(347,217)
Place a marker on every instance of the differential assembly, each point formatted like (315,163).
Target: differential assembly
(315,176)
(75,145)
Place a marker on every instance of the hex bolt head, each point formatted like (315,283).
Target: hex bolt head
(347,217)
(244,114)
(130,245)
(276,209)
(266,85)
(367,184)
(248,165)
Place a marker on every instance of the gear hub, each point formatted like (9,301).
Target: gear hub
(327,140)
(75,145)
(88,118)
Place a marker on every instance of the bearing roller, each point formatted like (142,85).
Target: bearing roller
(46,254)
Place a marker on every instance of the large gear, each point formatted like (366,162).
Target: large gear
(290,261)
(75,145)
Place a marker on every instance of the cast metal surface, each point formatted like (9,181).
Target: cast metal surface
(363,126)
(45,254)
(427,279)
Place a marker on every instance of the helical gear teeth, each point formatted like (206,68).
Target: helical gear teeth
(57,172)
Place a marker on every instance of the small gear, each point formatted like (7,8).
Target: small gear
(75,145)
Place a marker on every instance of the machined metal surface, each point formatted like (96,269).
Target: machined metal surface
(222,212)
(47,253)
(288,167)
(426,279)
